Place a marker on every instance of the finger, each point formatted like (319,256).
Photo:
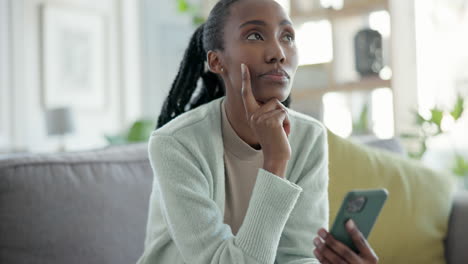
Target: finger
(269,115)
(330,256)
(270,105)
(278,115)
(341,249)
(279,112)
(250,104)
(319,247)
(325,249)
(318,255)
(287,124)
(359,239)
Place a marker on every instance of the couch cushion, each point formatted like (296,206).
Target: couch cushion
(82,207)
(413,223)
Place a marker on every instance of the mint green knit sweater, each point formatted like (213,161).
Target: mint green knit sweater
(186,207)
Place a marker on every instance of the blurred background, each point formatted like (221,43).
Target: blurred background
(82,74)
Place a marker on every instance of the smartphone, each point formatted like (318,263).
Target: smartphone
(363,206)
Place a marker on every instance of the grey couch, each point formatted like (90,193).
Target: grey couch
(91,207)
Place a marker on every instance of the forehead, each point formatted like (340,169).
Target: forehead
(267,10)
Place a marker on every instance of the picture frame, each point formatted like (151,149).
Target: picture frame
(74,60)
(5,77)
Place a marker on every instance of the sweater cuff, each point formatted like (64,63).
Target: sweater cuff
(271,203)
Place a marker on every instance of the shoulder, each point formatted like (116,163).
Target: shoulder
(196,120)
(305,124)
(196,133)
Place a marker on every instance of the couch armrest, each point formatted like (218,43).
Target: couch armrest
(457,235)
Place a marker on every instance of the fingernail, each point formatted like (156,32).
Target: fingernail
(350,224)
(316,242)
(243,68)
(322,233)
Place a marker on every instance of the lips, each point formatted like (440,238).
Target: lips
(276,75)
(277,72)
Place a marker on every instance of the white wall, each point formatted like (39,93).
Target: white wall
(5,126)
(123,104)
(165,36)
(442,63)
(403,58)
(146,42)
(442,43)
(130,37)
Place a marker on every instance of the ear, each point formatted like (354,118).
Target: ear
(214,62)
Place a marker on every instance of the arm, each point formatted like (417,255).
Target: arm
(194,221)
(311,210)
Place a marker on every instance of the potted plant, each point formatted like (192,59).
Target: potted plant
(138,132)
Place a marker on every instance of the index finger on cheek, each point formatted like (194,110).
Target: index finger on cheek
(248,99)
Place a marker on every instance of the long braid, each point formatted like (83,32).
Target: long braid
(185,83)
(212,88)
(208,36)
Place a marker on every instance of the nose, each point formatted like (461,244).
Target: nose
(275,53)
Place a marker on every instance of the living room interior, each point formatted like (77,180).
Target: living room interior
(82,84)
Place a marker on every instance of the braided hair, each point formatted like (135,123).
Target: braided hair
(183,96)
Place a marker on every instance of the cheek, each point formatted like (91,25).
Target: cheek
(294,57)
(234,64)
(293,62)
(247,57)
(235,74)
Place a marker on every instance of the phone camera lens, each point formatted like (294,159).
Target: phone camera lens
(356,204)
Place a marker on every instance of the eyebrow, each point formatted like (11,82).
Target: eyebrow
(262,23)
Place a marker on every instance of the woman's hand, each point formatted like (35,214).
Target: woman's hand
(270,123)
(330,250)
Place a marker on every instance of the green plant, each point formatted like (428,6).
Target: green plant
(361,126)
(432,126)
(460,167)
(183,6)
(138,132)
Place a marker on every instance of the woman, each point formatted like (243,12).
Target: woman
(238,177)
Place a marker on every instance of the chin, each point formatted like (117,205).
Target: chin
(264,100)
(280,94)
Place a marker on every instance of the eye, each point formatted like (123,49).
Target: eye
(257,36)
(289,37)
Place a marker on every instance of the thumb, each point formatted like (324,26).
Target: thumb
(358,238)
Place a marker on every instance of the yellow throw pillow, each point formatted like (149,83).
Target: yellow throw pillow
(413,223)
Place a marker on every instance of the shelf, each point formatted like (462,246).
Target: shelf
(365,84)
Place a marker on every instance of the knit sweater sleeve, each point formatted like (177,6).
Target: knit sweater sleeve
(312,209)
(194,221)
